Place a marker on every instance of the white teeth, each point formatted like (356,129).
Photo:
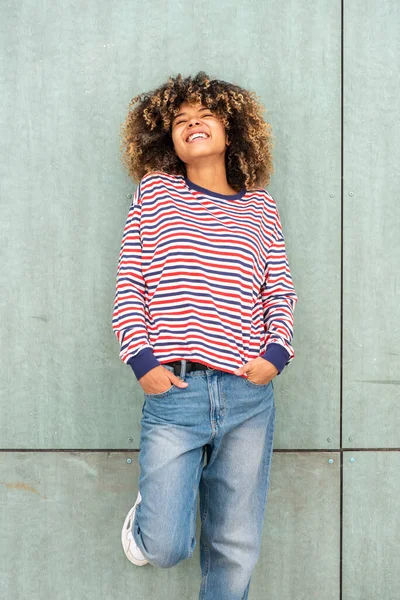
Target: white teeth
(194,135)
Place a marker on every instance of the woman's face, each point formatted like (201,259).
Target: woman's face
(198,118)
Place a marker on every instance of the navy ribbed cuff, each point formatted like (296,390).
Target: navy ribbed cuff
(277,355)
(143,362)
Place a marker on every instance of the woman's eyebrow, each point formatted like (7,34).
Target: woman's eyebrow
(183,113)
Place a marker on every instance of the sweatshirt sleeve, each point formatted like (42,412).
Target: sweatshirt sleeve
(128,320)
(279,300)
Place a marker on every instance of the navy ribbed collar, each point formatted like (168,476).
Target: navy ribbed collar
(203,190)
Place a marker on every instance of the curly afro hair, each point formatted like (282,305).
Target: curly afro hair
(146,138)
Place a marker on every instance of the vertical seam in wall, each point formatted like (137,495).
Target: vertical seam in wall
(341,301)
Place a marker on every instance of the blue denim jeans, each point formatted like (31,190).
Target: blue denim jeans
(230,421)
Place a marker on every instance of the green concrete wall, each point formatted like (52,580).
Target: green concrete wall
(70,409)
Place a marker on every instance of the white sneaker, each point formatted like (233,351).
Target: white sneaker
(132,551)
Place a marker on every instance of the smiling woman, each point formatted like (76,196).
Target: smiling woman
(152,136)
(203,312)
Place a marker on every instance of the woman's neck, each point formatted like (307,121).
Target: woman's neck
(210,178)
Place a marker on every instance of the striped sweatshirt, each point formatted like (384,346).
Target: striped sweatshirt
(202,276)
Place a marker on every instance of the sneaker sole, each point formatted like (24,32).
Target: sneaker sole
(128,541)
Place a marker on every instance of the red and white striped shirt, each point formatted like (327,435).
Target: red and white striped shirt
(202,276)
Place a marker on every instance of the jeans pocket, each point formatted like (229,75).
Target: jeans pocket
(161,394)
(258,385)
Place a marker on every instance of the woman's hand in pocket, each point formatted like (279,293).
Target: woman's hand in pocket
(258,370)
(159,380)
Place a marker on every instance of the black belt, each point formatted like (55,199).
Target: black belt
(191,365)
